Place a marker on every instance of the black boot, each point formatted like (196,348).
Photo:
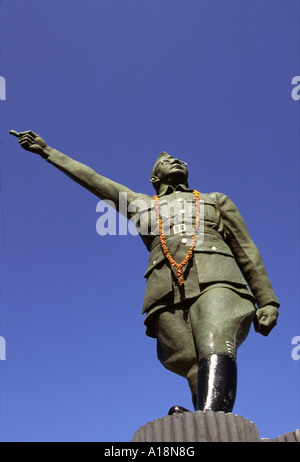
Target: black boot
(177,410)
(217,379)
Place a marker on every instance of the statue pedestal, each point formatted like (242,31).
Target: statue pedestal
(198,426)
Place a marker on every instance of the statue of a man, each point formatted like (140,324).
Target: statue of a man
(205,277)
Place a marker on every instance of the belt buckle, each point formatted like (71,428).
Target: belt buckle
(179,228)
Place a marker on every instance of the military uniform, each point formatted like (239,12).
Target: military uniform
(224,254)
(212,312)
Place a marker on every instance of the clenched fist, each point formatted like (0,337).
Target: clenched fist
(265,319)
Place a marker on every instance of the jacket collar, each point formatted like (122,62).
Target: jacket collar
(168,189)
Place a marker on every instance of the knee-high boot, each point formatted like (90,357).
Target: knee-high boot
(217,380)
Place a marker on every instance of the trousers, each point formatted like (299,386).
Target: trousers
(217,322)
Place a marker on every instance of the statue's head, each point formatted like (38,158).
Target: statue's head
(168,170)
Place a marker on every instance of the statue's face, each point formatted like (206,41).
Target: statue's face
(171,170)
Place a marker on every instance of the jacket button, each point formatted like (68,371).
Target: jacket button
(184,240)
(154,261)
(214,248)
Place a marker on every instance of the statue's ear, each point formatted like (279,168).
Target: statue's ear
(154,179)
(155,182)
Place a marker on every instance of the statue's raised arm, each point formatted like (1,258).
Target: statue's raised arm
(102,187)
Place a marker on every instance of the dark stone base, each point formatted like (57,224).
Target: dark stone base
(198,426)
(205,426)
(290,437)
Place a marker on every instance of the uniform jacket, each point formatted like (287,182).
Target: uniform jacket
(224,251)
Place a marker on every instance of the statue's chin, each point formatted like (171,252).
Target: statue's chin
(178,177)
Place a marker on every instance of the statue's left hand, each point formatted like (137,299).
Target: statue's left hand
(265,319)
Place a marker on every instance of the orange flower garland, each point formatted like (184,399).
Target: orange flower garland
(189,255)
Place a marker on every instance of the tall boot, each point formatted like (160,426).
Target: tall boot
(217,380)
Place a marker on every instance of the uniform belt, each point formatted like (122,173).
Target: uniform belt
(182,229)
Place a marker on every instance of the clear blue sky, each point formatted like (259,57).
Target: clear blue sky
(112,83)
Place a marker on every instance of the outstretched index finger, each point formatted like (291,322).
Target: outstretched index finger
(14,133)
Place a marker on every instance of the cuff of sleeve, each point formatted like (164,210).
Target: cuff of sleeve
(47,152)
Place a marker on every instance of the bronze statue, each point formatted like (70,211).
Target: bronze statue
(205,275)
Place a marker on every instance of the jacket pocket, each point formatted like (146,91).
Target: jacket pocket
(211,244)
(156,257)
(159,280)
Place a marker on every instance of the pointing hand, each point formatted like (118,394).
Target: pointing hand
(30,141)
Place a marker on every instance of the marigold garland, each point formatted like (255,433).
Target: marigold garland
(190,252)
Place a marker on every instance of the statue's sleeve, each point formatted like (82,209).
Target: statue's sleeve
(245,252)
(102,187)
